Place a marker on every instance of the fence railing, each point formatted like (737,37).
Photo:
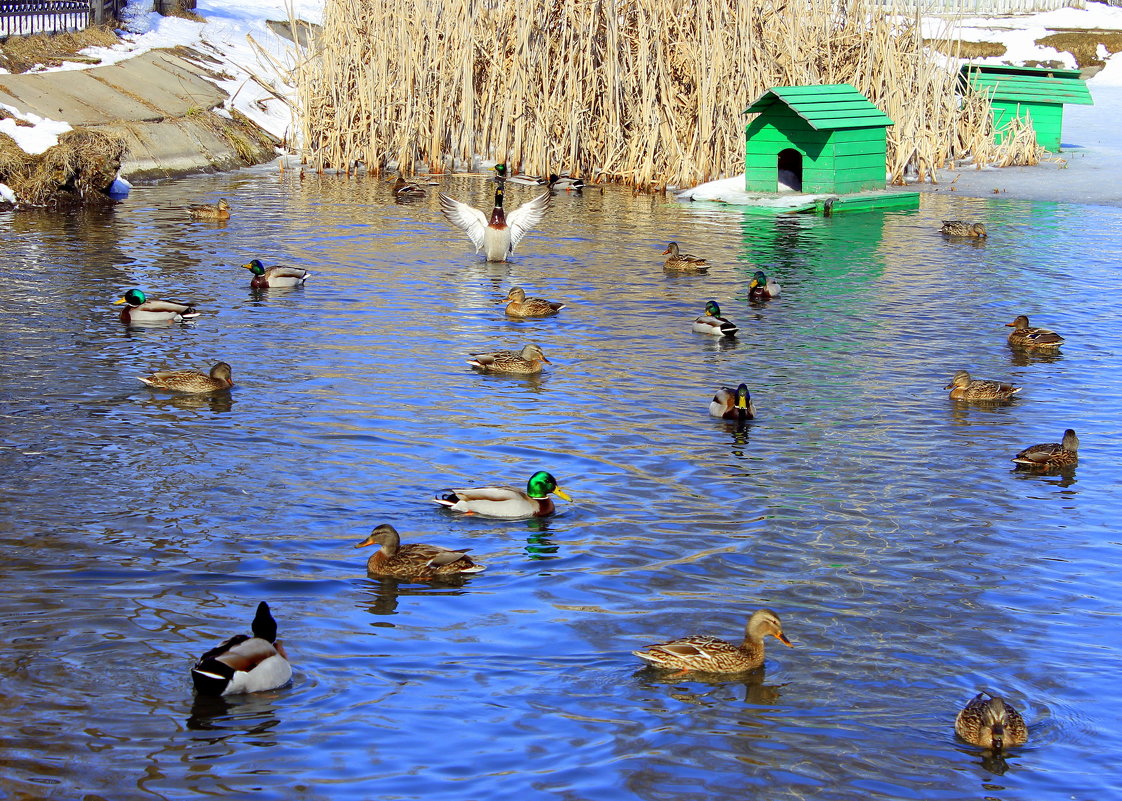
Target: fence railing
(26,17)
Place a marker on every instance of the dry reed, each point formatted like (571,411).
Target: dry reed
(645,92)
(79,169)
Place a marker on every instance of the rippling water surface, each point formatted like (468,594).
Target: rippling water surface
(910,564)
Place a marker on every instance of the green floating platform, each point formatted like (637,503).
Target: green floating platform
(791,203)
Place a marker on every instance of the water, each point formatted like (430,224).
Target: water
(910,564)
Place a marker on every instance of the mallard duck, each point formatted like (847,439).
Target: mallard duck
(191,381)
(415,560)
(517,178)
(276,276)
(713,324)
(244,664)
(711,655)
(733,404)
(506,501)
(1025,336)
(140,310)
(965,388)
(404,189)
(990,722)
(566,183)
(528,360)
(498,236)
(762,288)
(677,261)
(960,228)
(1051,455)
(211,211)
(518,305)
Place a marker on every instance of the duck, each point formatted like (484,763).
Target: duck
(960,228)
(276,276)
(677,261)
(517,178)
(404,189)
(1051,455)
(965,388)
(1024,335)
(244,664)
(518,305)
(710,655)
(501,501)
(415,560)
(990,722)
(763,288)
(210,211)
(191,381)
(140,310)
(733,404)
(713,324)
(565,183)
(526,361)
(498,236)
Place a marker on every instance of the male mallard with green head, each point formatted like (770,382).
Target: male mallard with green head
(1024,335)
(960,228)
(965,388)
(527,361)
(518,305)
(416,560)
(498,236)
(710,655)
(277,276)
(990,722)
(713,324)
(733,404)
(210,211)
(142,311)
(191,381)
(761,287)
(679,262)
(244,664)
(502,501)
(1051,455)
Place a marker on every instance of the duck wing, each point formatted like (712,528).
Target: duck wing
(164,306)
(469,219)
(525,217)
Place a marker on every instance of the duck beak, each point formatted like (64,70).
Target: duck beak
(247,266)
(1009,325)
(119,301)
(665,251)
(365,542)
(753,284)
(783,639)
(949,386)
(547,361)
(560,493)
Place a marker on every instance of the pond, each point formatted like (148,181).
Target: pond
(910,563)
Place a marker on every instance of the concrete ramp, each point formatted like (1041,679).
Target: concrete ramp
(159,102)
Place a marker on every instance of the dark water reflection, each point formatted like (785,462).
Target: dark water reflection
(910,563)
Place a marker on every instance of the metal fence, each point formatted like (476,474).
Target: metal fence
(983,8)
(25,17)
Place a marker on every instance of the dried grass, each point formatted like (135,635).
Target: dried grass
(21,53)
(79,169)
(645,92)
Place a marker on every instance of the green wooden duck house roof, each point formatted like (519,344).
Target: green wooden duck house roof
(1034,93)
(815,140)
(828,107)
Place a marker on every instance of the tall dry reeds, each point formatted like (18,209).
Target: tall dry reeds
(646,92)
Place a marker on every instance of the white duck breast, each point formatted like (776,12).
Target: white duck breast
(498,236)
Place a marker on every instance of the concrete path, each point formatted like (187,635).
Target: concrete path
(159,102)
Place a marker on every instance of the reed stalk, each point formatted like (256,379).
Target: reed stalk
(649,93)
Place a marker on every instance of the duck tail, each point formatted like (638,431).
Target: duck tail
(211,677)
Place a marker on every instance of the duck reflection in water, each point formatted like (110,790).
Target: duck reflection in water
(383,593)
(723,689)
(219,402)
(230,716)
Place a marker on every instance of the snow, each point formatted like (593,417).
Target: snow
(43,133)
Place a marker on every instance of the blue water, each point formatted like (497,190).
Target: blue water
(910,564)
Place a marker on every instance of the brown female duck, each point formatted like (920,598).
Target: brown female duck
(965,388)
(1024,335)
(518,305)
(679,262)
(711,655)
(960,228)
(527,361)
(416,560)
(191,381)
(990,722)
(210,211)
(1051,455)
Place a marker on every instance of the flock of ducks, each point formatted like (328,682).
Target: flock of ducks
(254,663)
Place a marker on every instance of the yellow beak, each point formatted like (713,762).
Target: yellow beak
(560,493)
(119,301)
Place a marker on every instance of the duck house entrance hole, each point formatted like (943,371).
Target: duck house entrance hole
(790,165)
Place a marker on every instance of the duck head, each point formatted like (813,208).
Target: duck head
(134,297)
(541,484)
